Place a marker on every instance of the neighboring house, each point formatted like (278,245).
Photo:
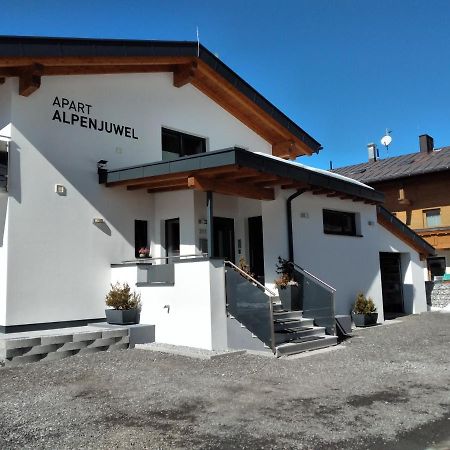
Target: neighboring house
(116,145)
(417,191)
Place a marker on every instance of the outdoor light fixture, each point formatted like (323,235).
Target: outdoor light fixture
(97,220)
(60,189)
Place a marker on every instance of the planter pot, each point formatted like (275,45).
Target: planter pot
(290,298)
(121,316)
(365,320)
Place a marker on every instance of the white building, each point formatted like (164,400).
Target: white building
(176,129)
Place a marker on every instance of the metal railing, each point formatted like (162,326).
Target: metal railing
(316,298)
(250,303)
(250,278)
(166,258)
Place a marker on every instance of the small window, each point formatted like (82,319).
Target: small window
(140,236)
(339,222)
(176,145)
(432,218)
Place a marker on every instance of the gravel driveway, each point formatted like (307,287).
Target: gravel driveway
(387,387)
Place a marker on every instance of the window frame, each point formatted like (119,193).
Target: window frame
(425,217)
(181,136)
(354,225)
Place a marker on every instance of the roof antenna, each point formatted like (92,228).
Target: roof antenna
(198,44)
(386,140)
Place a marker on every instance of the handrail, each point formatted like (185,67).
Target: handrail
(249,277)
(198,255)
(331,288)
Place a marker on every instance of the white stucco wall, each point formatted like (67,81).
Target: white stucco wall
(350,264)
(190,313)
(59,262)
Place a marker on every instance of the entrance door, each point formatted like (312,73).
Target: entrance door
(256,248)
(391,282)
(172,231)
(224,238)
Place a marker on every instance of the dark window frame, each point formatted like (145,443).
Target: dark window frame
(140,235)
(183,141)
(334,218)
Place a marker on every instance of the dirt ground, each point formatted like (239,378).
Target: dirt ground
(388,387)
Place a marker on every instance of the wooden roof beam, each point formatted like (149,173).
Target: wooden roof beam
(159,184)
(30,79)
(184,74)
(285,149)
(220,187)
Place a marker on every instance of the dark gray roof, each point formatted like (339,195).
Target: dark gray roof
(244,158)
(399,166)
(28,46)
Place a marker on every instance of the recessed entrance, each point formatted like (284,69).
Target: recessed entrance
(224,238)
(255,247)
(391,282)
(172,238)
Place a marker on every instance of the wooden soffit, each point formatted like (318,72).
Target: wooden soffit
(204,71)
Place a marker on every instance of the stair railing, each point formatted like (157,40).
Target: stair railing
(250,303)
(316,298)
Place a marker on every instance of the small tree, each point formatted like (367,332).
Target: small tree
(120,297)
(364,305)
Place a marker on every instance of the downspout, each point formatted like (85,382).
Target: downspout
(289,222)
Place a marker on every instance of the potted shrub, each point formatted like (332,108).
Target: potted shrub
(364,311)
(124,305)
(288,288)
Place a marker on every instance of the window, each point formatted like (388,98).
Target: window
(140,236)
(432,218)
(176,144)
(338,222)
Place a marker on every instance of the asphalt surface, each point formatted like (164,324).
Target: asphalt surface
(388,387)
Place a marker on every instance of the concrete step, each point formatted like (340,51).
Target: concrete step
(281,324)
(52,346)
(287,315)
(277,307)
(301,332)
(292,348)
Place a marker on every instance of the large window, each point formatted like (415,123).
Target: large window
(176,144)
(339,222)
(432,218)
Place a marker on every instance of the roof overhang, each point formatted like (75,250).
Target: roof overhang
(236,172)
(31,58)
(403,232)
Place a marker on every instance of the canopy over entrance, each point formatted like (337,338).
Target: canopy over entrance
(237,172)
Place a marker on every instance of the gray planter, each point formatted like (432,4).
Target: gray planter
(290,298)
(365,320)
(121,316)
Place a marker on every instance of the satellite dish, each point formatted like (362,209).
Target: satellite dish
(386,140)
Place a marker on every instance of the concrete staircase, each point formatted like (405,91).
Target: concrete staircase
(296,334)
(52,345)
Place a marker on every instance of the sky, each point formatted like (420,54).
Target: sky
(344,70)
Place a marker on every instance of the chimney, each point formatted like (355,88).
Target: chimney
(426,143)
(372,150)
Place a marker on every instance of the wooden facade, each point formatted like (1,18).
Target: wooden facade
(413,197)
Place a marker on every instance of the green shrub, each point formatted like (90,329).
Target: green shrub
(364,305)
(121,297)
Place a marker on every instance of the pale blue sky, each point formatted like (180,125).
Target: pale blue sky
(343,70)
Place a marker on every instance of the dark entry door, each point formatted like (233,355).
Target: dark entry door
(224,238)
(172,230)
(256,248)
(391,282)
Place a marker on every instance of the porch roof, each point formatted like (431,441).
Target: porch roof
(238,172)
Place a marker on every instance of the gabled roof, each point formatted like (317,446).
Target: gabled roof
(30,58)
(399,166)
(403,232)
(239,172)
